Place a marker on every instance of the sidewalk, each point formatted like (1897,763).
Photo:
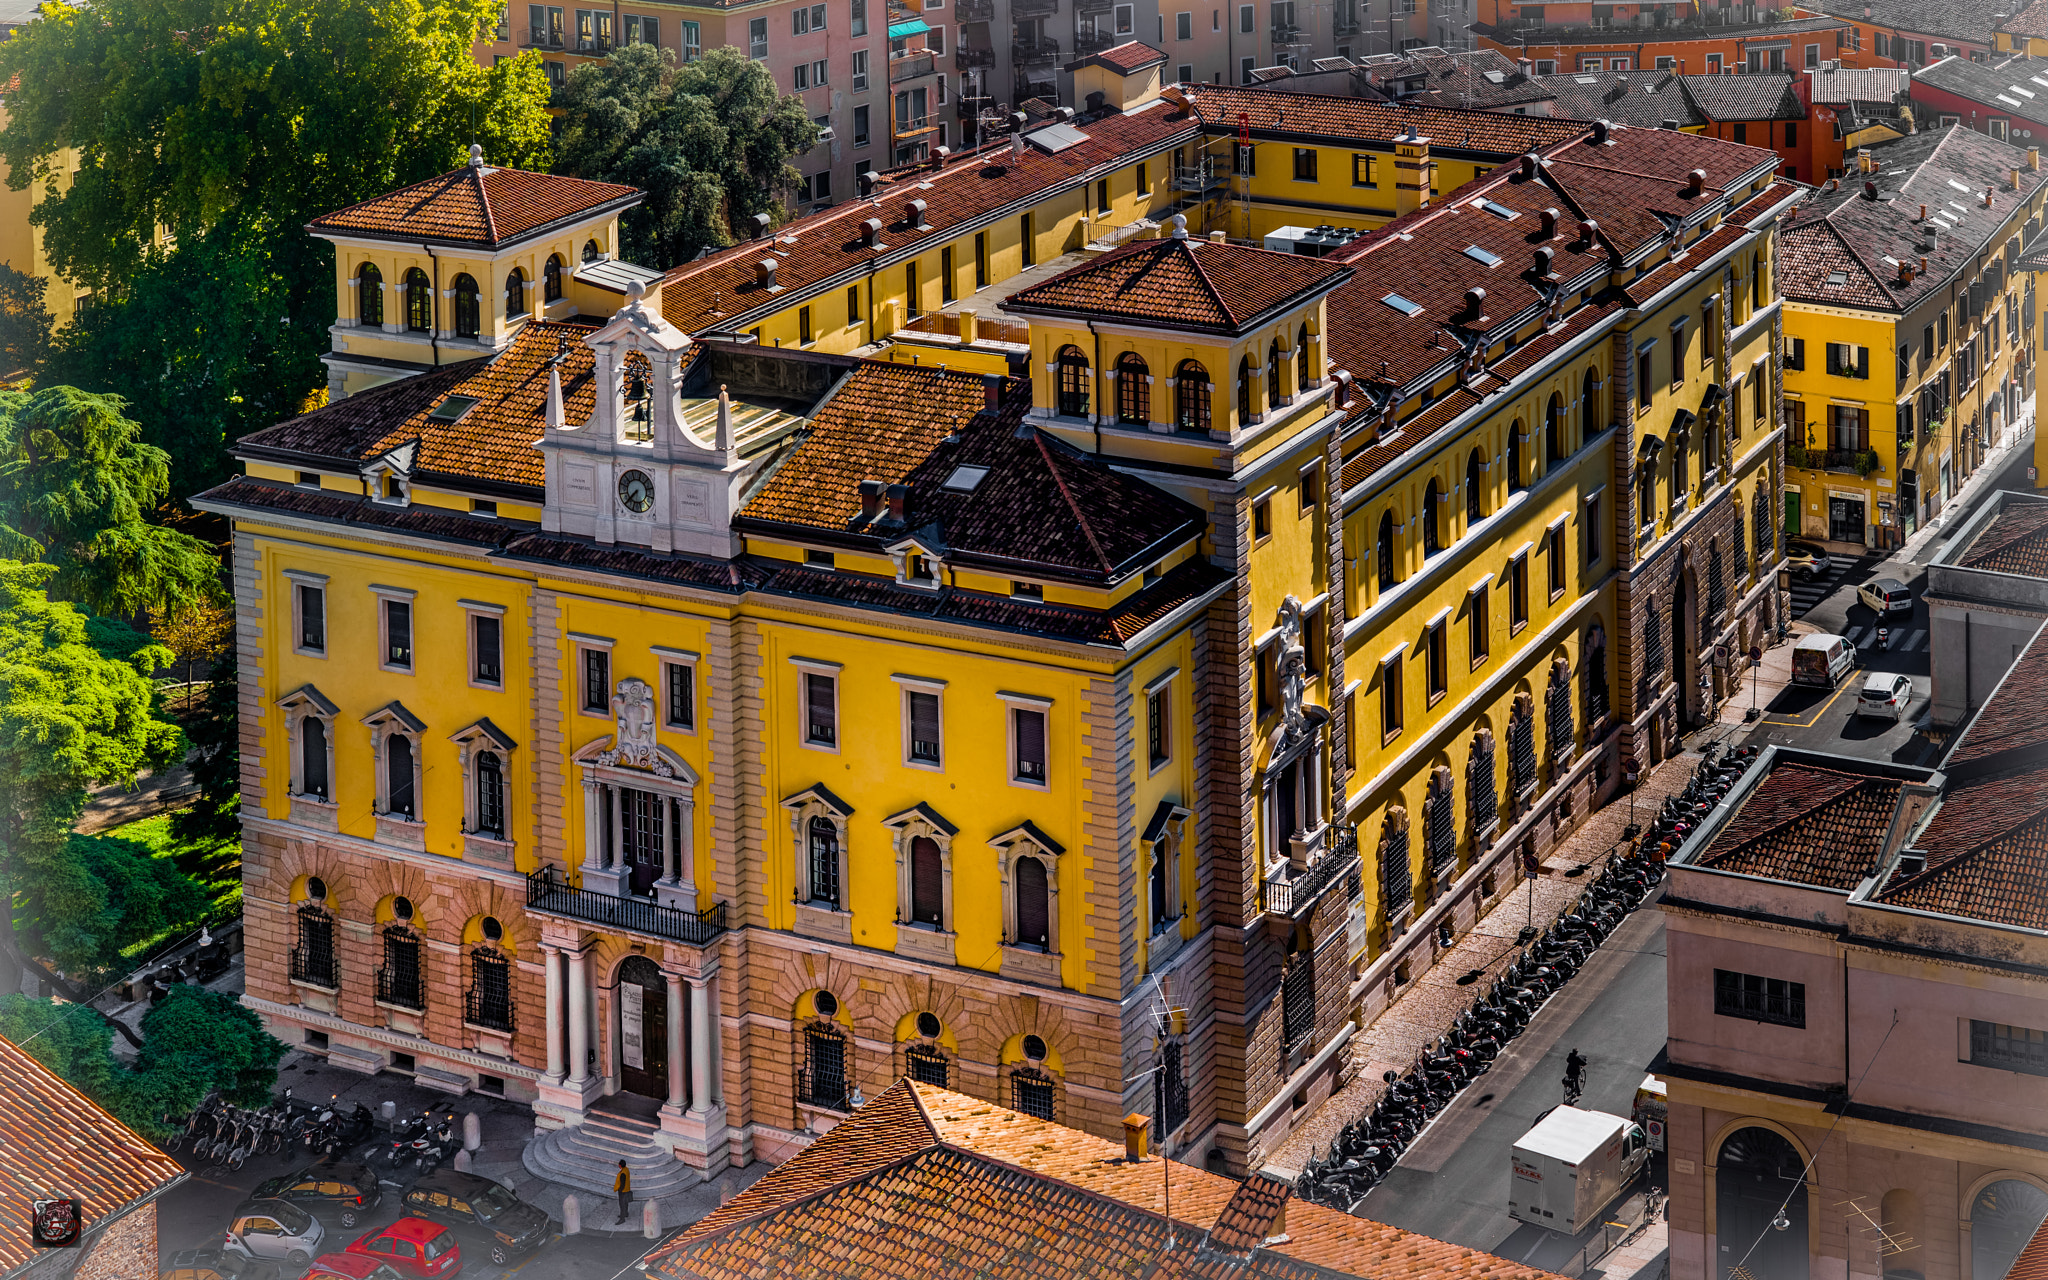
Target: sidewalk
(1427,1008)
(1770,678)
(1966,498)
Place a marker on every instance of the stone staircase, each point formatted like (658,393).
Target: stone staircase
(587,1157)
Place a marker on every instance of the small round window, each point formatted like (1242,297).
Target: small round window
(928,1025)
(401,908)
(1034,1048)
(493,931)
(316,888)
(825,1003)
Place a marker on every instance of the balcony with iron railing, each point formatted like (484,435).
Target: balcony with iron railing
(1292,888)
(1031,52)
(976,10)
(315,967)
(1092,41)
(548,894)
(1093,6)
(968,59)
(1286,33)
(542,38)
(913,126)
(912,65)
(593,44)
(1533,31)
(1021,10)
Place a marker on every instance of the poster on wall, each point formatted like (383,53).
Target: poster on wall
(630,995)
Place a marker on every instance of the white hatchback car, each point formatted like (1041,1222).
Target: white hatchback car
(1885,693)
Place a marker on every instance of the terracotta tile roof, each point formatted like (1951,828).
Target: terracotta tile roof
(2015,541)
(329,507)
(1036,504)
(477,205)
(1471,80)
(1124,59)
(1809,825)
(2029,21)
(2032,1264)
(1750,97)
(1645,99)
(1967,20)
(1183,283)
(1249,1218)
(1987,852)
(2012,719)
(493,440)
(54,1139)
(1860,232)
(720,291)
(1991,86)
(1283,115)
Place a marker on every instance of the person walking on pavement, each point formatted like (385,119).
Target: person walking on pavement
(623,1184)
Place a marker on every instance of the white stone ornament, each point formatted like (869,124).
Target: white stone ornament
(633,714)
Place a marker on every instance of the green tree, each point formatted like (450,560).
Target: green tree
(70,717)
(709,142)
(139,895)
(24,322)
(215,760)
(75,482)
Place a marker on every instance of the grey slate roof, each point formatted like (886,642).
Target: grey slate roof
(1970,20)
(1645,99)
(1479,79)
(2017,88)
(1845,85)
(1746,97)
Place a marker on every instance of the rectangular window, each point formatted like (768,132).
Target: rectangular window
(1126,19)
(1437,650)
(1593,527)
(679,690)
(597,681)
(1262,681)
(1518,593)
(800,75)
(821,709)
(1791,133)
(1643,377)
(852,305)
(1184,26)
(1245,20)
(1244,72)
(1304,164)
(1708,331)
(800,21)
(757,39)
(487,645)
(312,618)
(1390,697)
(859,22)
(1556,557)
(1846,361)
(946,274)
(981,259)
(1027,731)
(1102,197)
(1262,519)
(1681,338)
(818,15)
(1481,629)
(1158,727)
(1364,170)
(693,42)
(1309,491)
(1745,995)
(398,634)
(1795,353)
(1994,1044)
(935,40)
(922,711)
(1186,73)
(1025,237)
(803,326)
(818,73)
(860,113)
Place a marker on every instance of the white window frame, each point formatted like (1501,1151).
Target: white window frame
(387,596)
(393,720)
(579,643)
(298,706)
(472,610)
(1012,704)
(922,822)
(807,667)
(1168,832)
(816,802)
(937,688)
(1027,841)
(302,580)
(667,658)
(481,736)
(1159,686)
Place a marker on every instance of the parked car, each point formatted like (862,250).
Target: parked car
(351,1266)
(491,1220)
(1806,560)
(1885,693)
(216,1264)
(277,1230)
(341,1190)
(1887,596)
(414,1247)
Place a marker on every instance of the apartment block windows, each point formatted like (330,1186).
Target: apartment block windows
(860,114)
(1846,361)
(805,20)
(1027,744)
(1994,1044)
(1304,164)
(1518,593)
(597,680)
(1246,22)
(1437,649)
(486,650)
(679,695)
(757,38)
(1643,377)
(1795,353)
(1757,999)
(547,25)
(859,21)
(1364,170)
(1476,612)
(1184,26)
(1028,241)
(311,601)
(1159,724)
(921,727)
(1390,697)
(693,42)
(821,708)
(1592,527)
(1555,550)
(397,629)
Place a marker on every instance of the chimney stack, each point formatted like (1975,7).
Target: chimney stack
(1548,219)
(2015,179)
(991,392)
(2034,159)
(1411,173)
(1219,237)
(1545,265)
(1137,1128)
(1863,159)
(870,499)
(1529,165)
(899,498)
(1342,378)
(1987,197)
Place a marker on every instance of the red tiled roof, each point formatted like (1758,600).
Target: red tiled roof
(1807,824)
(476,205)
(1987,852)
(2032,1264)
(2015,717)
(1500,134)
(55,1140)
(1124,59)
(1183,283)
(2016,541)
(2030,21)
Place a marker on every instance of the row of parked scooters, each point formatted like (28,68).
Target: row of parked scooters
(1368,1148)
(229,1135)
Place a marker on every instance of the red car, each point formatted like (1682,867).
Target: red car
(413,1247)
(350,1266)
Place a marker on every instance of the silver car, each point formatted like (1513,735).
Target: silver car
(277,1230)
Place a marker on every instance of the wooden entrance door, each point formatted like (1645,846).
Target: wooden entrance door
(643,1028)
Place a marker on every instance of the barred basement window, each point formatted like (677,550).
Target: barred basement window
(1522,750)
(1032,1092)
(489,1002)
(927,1065)
(1298,1000)
(1170,1090)
(1993,1044)
(398,981)
(822,1081)
(313,958)
(1745,995)
(1561,728)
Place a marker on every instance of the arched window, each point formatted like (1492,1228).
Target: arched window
(399,981)
(313,757)
(1156,883)
(398,775)
(1191,397)
(927,883)
(1244,391)
(1384,551)
(489,1000)
(1762,519)
(490,794)
(823,1082)
(1304,374)
(1589,416)
(591,253)
(1133,390)
(313,959)
(515,294)
(1073,382)
(1758,1176)
(1475,479)
(1034,902)
(1553,433)
(2003,1217)
(1432,503)
(1170,1089)
(551,279)
(1275,390)
(419,301)
(1515,457)
(369,294)
(824,862)
(468,307)
(637,388)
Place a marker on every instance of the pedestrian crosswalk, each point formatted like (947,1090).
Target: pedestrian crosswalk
(1901,642)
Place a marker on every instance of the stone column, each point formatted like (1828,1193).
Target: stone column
(593,825)
(676,1097)
(579,1019)
(700,1044)
(551,960)
(615,852)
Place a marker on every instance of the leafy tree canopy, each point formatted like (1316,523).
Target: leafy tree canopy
(215,760)
(710,142)
(75,483)
(24,321)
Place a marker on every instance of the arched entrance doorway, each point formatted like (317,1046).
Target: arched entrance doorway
(643,1028)
(1758,1173)
(2003,1217)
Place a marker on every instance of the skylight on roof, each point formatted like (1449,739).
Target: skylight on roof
(1587,79)
(452,409)
(2010,102)
(2024,93)
(1957,185)
(1484,256)
(964,478)
(1498,210)
(1402,305)
(2038,80)
(1838,277)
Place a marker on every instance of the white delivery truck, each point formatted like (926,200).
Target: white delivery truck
(1571,1167)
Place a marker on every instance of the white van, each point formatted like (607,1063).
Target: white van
(1822,660)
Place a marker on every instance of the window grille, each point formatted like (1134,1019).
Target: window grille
(1440,829)
(398,981)
(313,958)
(489,1002)
(1170,1090)
(1560,726)
(1522,750)
(1396,889)
(822,1082)
(1994,1044)
(1032,1093)
(1298,1000)
(927,1065)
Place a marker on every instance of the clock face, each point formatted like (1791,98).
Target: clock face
(636,491)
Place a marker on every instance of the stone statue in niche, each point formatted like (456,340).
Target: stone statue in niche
(1293,669)
(633,715)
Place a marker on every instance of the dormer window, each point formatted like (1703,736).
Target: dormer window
(916,568)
